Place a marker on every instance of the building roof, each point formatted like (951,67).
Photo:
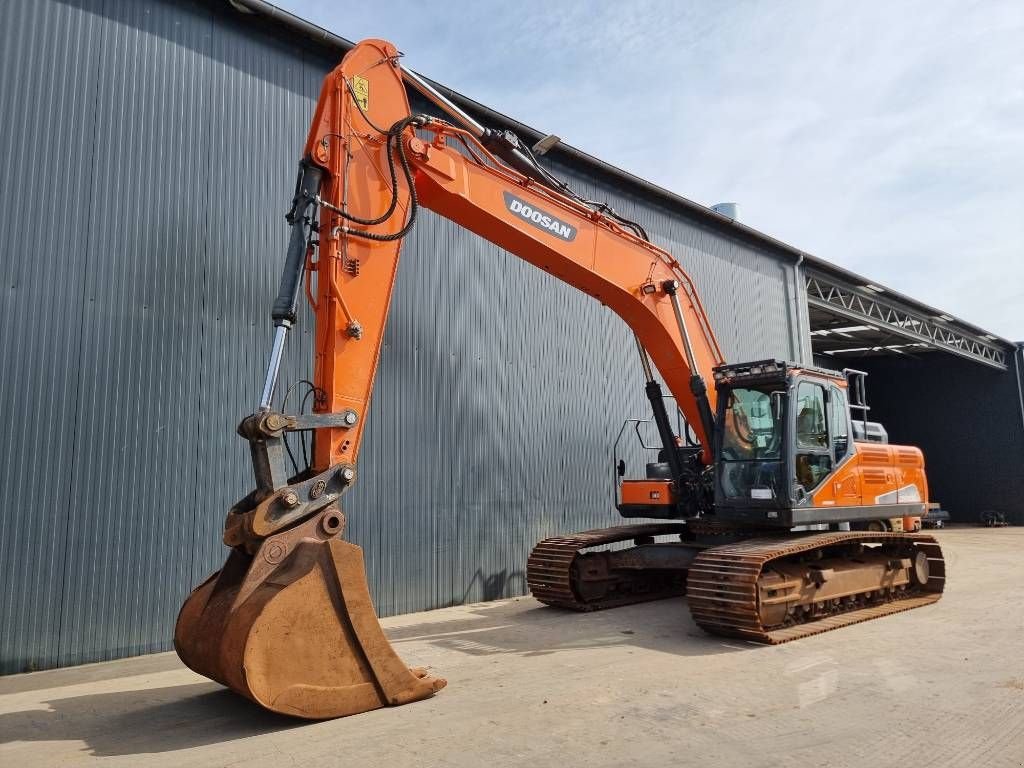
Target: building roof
(329,40)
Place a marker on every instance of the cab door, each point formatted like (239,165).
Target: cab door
(845,484)
(813,449)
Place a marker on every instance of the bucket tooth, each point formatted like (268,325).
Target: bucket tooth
(293,628)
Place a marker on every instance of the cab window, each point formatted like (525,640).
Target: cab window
(752,465)
(813,452)
(752,429)
(839,419)
(811,431)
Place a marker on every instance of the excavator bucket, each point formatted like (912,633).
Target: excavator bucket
(292,627)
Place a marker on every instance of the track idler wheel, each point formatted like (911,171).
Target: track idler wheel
(292,627)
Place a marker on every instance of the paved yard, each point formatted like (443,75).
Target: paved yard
(528,685)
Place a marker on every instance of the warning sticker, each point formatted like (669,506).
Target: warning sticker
(361,87)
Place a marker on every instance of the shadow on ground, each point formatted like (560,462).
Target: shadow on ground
(526,628)
(150,664)
(146,721)
(179,717)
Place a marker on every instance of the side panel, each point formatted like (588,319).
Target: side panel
(876,474)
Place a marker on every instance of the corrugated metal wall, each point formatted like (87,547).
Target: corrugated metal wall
(146,160)
(966,418)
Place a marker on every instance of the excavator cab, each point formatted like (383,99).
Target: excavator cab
(788,453)
(789,449)
(779,431)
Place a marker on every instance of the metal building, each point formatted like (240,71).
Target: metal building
(148,155)
(949,387)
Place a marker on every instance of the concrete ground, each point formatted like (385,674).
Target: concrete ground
(528,685)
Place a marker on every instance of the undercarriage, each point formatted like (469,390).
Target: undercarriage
(768,587)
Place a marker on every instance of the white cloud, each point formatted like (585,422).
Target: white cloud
(887,138)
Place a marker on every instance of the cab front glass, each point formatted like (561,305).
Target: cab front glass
(752,448)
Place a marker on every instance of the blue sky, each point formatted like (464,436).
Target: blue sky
(885,137)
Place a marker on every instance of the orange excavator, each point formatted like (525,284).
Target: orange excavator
(754,488)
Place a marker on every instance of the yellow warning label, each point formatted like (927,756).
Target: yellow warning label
(361,87)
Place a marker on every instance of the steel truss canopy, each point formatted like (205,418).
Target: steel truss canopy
(849,321)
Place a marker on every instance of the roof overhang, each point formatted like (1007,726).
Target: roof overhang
(862,320)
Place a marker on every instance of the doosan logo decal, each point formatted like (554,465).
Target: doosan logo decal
(539,219)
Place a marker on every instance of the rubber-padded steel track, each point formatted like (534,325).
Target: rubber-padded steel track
(551,571)
(723,594)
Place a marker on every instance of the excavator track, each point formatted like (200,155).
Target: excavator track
(556,571)
(733,589)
